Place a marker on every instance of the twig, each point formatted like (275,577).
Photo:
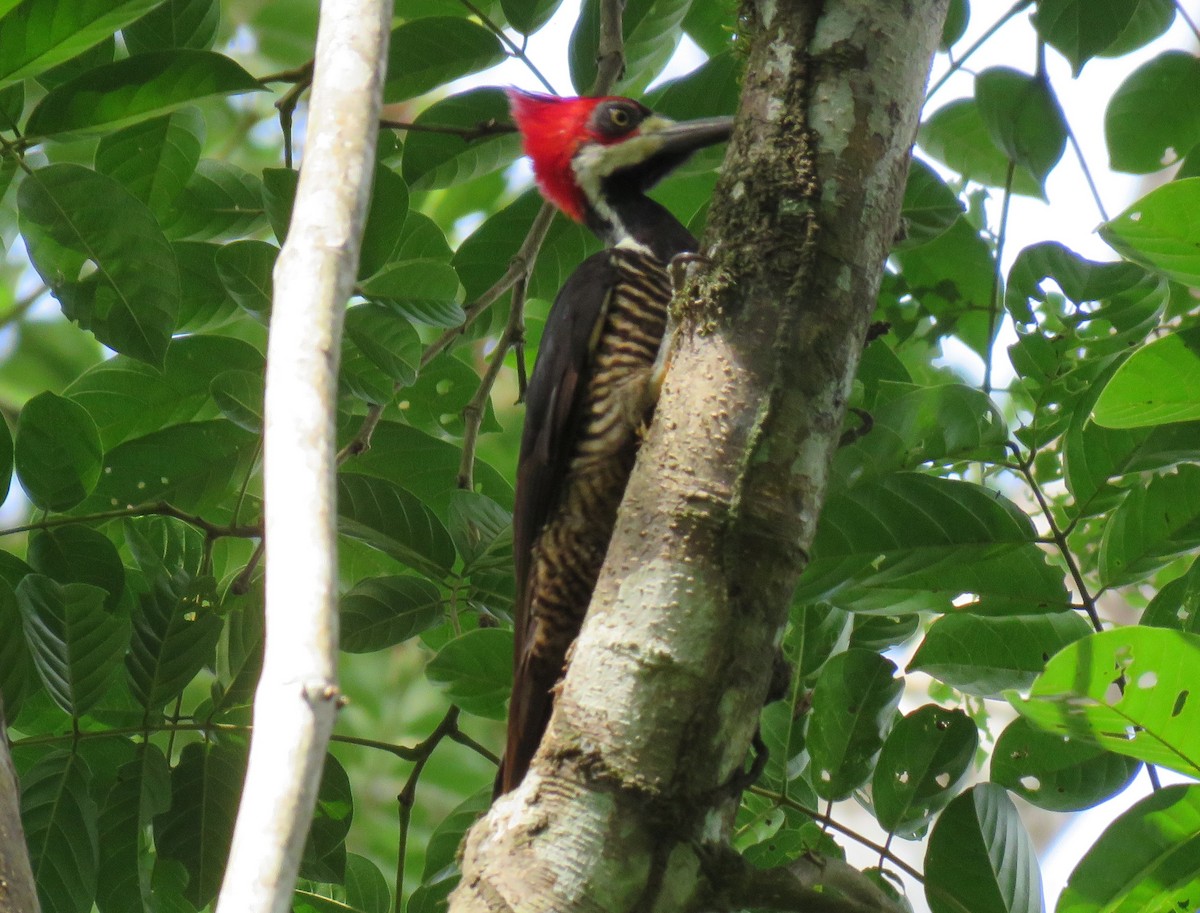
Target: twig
(18,310)
(1183,14)
(241,583)
(883,852)
(473,412)
(159,509)
(610,50)
(287,107)
(484,128)
(994,305)
(1087,172)
(408,796)
(1025,467)
(517,52)
(982,40)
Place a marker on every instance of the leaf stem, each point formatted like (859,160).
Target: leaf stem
(158,508)
(517,52)
(979,42)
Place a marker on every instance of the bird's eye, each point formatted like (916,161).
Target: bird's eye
(619,117)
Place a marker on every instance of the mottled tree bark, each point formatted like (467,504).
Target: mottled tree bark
(627,806)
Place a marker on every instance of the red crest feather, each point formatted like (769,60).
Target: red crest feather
(552,130)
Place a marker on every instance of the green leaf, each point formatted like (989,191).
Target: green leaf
(194,466)
(391,519)
(154,159)
(1152,525)
(77,644)
(918,424)
(652,30)
(1057,773)
(527,16)
(1024,119)
(924,761)
(429,468)
(175,24)
(816,633)
(18,678)
(1153,119)
(1161,231)
(979,857)
(128,398)
(419,280)
(955,25)
(205,787)
(330,824)
(35,35)
(433,160)
(220,201)
(383,233)
(60,830)
(436,401)
(366,888)
(175,625)
(57,453)
(239,396)
(204,305)
(442,848)
(279,196)
(245,269)
(958,136)
(6,459)
(853,702)
(1159,383)
(426,53)
(985,656)
(1082,29)
(908,532)
(475,671)
(1177,605)
(130,298)
(481,529)
(1155,719)
(929,208)
(77,554)
(1145,860)
(883,632)
(389,342)
(135,89)
(141,791)
(381,612)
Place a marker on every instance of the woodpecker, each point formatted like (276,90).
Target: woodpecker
(595,382)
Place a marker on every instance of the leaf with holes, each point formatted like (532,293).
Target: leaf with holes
(1162,231)
(1152,525)
(380,612)
(980,858)
(131,297)
(1056,773)
(922,765)
(984,656)
(76,643)
(36,35)
(1159,383)
(57,453)
(1155,719)
(853,701)
(1153,119)
(1177,604)
(1147,859)
(60,829)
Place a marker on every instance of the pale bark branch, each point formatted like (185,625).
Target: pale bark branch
(297,697)
(637,772)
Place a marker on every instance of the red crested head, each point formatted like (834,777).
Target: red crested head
(552,131)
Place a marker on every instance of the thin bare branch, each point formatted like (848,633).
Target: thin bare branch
(486,128)
(518,52)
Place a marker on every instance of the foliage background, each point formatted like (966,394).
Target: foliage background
(975,536)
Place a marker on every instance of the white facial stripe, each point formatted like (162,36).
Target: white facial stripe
(594,162)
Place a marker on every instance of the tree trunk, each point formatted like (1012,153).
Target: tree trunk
(628,803)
